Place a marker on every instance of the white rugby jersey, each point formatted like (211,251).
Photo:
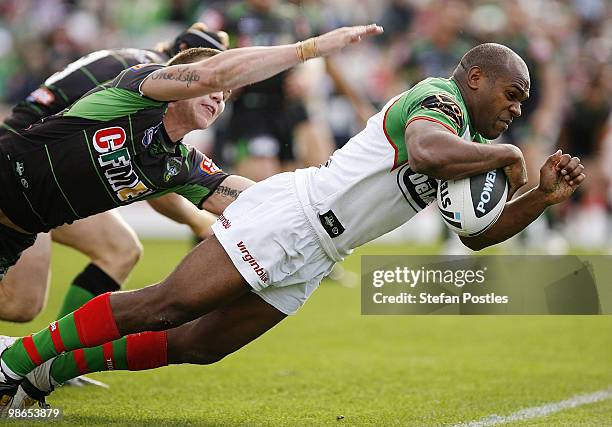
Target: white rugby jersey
(367,188)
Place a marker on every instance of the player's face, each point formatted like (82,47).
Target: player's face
(501,103)
(204,110)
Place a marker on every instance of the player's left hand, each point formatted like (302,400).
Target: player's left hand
(560,175)
(335,40)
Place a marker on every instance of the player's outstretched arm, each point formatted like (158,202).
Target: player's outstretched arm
(435,151)
(179,209)
(235,68)
(560,175)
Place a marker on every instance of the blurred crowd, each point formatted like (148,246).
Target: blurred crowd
(567,45)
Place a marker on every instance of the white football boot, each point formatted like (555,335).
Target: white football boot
(38,384)
(8,386)
(34,388)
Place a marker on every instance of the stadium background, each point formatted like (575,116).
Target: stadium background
(567,44)
(375,370)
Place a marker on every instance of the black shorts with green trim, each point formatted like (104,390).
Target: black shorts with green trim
(12,244)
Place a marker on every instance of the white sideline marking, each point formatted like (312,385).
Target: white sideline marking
(540,411)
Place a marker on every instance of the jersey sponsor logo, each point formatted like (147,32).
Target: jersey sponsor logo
(446,105)
(116,163)
(419,190)
(208,167)
(130,193)
(109,139)
(42,95)
(246,256)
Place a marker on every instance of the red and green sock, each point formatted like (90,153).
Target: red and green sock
(91,282)
(136,352)
(89,326)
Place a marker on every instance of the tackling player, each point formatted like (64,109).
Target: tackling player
(111,245)
(280,238)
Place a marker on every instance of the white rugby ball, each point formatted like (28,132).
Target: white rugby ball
(471,205)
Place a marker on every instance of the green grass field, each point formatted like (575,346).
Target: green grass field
(330,362)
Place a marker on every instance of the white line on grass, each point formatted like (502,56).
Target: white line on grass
(541,411)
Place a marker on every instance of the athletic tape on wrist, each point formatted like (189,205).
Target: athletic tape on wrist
(307,49)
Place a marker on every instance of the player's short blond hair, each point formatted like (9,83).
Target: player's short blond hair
(196,54)
(191,55)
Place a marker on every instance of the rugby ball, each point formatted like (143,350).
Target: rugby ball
(471,205)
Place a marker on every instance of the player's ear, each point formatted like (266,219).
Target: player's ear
(475,77)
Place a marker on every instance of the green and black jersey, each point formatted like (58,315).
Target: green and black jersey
(108,149)
(63,88)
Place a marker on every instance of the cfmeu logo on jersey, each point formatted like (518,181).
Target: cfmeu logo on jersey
(116,164)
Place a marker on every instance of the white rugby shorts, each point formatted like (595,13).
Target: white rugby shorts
(275,248)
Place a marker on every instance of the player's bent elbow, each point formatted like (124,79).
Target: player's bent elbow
(422,159)
(415,164)
(417,159)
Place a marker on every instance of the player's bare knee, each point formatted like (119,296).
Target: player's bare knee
(120,256)
(127,250)
(26,314)
(133,252)
(20,308)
